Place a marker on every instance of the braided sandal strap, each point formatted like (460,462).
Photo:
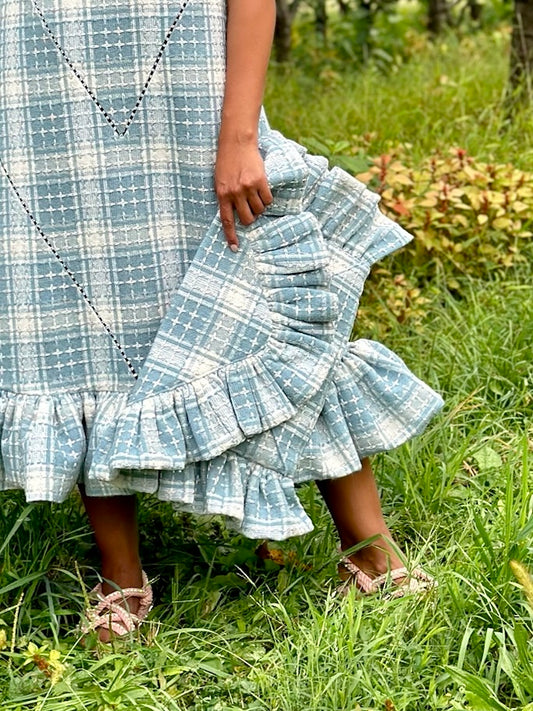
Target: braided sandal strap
(415,582)
(357,577)
(110,612)
(412,581)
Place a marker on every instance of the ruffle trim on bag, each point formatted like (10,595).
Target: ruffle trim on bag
(373,403)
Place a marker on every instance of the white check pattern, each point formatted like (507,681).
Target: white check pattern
(137,353)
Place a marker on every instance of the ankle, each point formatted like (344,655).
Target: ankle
(373,561)
(376,558)
(121,573)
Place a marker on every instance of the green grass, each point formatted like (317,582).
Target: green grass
(231,631)
(449,94)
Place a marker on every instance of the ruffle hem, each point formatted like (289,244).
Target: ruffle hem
(251,384)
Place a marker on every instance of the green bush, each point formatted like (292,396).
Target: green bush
(468,216)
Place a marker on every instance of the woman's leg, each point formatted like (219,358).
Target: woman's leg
(114,522)
(354,504)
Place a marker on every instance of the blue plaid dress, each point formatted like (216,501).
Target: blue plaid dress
(138,353)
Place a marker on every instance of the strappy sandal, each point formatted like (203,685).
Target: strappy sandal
(413,582)
(111,615)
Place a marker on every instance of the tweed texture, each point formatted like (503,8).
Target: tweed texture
(137,353)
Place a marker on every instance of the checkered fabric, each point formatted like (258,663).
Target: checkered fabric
(138,353)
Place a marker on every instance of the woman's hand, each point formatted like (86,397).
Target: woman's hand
(240,181)
(241,185)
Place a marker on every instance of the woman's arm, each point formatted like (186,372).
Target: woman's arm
(240,179)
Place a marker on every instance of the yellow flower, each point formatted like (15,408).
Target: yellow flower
(56,666)
(57,673)
(3,639)
(522,575)
(47,661)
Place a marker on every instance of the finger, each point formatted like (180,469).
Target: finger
(227,218)
(257,206)
(265,193)
(246,216)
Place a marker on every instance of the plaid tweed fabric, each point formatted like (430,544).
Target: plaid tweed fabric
(137,353)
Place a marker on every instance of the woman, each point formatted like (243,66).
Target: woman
(139,353)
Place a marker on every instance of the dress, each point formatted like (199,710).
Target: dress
(137,352)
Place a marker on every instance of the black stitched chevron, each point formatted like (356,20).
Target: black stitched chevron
(72,276)
(91,92)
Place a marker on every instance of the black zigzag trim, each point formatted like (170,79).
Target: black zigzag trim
(65,266)
(91,93)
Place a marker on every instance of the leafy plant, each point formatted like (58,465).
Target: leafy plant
(515,651)
(468,216)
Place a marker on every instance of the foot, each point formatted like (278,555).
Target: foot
(371,568)
(395,583)
(119,576)
(113,614)
(378,568)
(375,559)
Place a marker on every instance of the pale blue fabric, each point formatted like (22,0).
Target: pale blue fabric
(137,353)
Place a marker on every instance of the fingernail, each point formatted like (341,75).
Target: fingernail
(234,248)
